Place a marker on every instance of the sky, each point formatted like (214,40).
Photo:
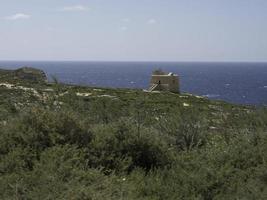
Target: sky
(134,30)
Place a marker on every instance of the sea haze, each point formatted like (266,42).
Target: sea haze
(244,83)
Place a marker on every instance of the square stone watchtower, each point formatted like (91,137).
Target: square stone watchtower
(161,81)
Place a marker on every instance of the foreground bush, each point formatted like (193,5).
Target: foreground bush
(119,147)
(39,129)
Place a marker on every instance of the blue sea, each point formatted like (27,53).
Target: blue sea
(242,83)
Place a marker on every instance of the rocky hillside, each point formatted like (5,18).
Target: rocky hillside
(69,142)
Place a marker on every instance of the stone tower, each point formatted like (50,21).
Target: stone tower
(161,81)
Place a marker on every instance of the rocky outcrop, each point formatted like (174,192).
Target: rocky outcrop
(24,73)
(31,74)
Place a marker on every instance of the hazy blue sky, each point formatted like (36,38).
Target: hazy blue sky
(137,30)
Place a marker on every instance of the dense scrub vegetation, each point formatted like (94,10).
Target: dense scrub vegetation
(70,142)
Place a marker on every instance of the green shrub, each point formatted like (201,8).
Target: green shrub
(39,129)
(60,173)
(118,147)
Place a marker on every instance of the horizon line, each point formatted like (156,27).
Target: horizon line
(134,61)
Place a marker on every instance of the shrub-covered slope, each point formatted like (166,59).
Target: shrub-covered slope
(70,142)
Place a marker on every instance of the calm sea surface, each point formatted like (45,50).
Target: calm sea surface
(244,83)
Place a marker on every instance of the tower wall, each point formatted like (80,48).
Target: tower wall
(166,82)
